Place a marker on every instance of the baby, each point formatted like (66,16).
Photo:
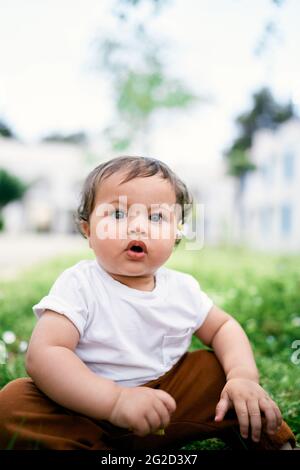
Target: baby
(108,360)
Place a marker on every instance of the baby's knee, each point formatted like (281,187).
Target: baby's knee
(214,366)
(12,396)
(208,369)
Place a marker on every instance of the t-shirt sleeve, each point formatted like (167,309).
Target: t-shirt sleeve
(67,298)
(203,303)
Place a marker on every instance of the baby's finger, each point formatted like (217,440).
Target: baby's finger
(255,419)
(143,428)
(167,399)
(271,417)
(278,415)
(154,420)
(242,415)
(164,414)
(221,408)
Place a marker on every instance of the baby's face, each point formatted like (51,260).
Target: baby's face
(143,209)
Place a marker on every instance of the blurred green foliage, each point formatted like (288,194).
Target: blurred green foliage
(11,187)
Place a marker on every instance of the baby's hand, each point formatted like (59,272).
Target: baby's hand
(249,398)
(142,409)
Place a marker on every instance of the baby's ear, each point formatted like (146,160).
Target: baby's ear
(85,228)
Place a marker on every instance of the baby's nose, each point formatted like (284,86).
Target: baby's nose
(138,225)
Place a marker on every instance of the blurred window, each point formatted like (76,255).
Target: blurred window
(266,220)
(267,173)
(286,219)
(288,166)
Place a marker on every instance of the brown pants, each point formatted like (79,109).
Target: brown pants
(31,420)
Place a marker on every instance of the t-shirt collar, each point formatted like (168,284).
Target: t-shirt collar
(130,292)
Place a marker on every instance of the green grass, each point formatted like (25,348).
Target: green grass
(261,291)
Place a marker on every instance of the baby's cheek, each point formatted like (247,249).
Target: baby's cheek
(161,251)
(164,232)
(109,229)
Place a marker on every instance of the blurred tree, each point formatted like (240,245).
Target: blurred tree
(140,84)
(6,131)
(73,138)
(271,31)
(140,90)
(265,113)
(156,4)
(278,2)
(11,188)
(136,2)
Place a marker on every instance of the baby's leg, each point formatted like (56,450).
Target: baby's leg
(196,382)
(30,420)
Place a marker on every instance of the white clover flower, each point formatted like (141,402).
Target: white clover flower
(271,339)
(3,353)
(9,337)
(23,346)
(296,321)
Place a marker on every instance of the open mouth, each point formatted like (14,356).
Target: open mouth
(137,247)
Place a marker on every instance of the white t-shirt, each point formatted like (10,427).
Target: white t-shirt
(128,335)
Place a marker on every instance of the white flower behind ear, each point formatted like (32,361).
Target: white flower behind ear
(179,231)
(182,229)
(185,229)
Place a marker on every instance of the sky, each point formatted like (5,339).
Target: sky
(48,82)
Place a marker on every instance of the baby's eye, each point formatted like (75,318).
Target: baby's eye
(118,213)
(156,217)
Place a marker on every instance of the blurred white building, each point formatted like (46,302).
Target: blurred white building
(271,196)
(214,189)
(55,172)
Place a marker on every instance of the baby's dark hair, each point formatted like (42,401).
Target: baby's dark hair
(134,166)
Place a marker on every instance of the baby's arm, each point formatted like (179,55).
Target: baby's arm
(60,373)
(242,390)
(230,343)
